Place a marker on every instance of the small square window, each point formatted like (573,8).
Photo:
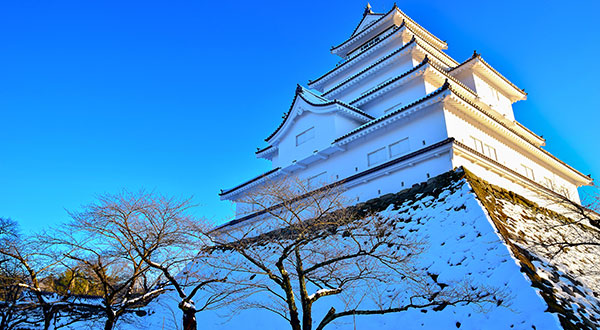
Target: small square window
(399,148)
(377,156)
(528,172)
(307,135)
(317,180)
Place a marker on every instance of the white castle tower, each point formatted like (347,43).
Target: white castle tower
(398,110)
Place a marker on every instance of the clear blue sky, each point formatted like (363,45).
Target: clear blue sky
(175,96)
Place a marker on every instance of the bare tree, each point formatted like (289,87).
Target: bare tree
(574,225)
(13,311)
(162,233)
(139,245)
(95,242)
(32,263)
(308,245)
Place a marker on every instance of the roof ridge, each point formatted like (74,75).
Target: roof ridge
(480,58)
(366,27)
(299,91)
(396,29)
(393,80)
(466,100)
(444,87)
(419,26)
(225,192)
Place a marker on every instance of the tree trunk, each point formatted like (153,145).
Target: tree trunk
(304,299)
(307,316)
(110,323)
(189,320)
(48,316)
(189,314)
(289,295)
(110,320)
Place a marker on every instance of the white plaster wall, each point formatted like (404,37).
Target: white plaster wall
(401,179)
(275,160)
(501,103)
(430,87)
(466,77)
(327,127)
(323,133)
(354,160)
(484,90)
(509,156)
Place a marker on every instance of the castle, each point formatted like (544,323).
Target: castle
(397,110)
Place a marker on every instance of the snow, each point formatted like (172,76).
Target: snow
(463,243)
(313,97)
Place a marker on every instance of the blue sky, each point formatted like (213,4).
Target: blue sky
(175,96)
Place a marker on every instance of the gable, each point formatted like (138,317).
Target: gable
(308,101)
(365,22)
(310,130)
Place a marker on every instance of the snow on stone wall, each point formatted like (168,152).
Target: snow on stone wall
(466,240)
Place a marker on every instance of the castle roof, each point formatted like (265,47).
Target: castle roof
(476,62)
(255,179)
(439,91)
(362,31)
(422,42)
(368,17)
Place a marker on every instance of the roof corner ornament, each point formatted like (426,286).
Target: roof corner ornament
(475,54)
(367,10)
(299,89)
(446,84)
(426,60)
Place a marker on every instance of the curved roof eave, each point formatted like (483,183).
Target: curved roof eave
(520,93)
(441,44)
(299,94)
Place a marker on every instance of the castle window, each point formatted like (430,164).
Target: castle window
(478,145)
(376,157)
(491,152)
(307,135)
(317,180)
(528,172)
(370,43)
(399,148)
(495,94)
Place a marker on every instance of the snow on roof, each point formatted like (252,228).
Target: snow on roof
(475,232)
(311,96)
